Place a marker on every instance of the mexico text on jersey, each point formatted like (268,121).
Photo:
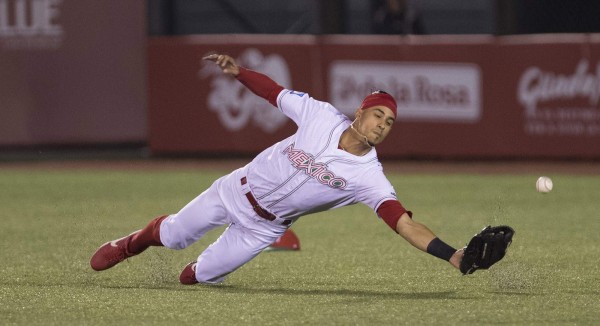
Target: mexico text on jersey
(306,162)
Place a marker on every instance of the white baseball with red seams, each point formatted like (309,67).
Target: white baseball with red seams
(544,184)
(302,174)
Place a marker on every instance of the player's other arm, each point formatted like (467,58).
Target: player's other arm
(256,82)
(417,234)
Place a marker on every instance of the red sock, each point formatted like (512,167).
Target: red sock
(148,236)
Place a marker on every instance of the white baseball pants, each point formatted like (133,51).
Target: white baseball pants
(221,204)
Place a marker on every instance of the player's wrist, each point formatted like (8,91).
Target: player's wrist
(440,249)
(456,258)
(241,72)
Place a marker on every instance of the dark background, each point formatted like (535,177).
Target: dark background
(500,17)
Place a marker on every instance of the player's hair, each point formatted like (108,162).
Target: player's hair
(378,91)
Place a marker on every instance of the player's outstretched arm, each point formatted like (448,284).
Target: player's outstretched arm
(256,82)
(226,63)
(418,235)
(415,233)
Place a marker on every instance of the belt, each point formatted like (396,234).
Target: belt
(258,209)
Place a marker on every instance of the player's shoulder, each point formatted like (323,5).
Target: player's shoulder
(375,166)
(366,169)
(373,169)
(292,95)
(372,177)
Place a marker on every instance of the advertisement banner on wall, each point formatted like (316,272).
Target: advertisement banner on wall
(552,90)
(438,88)
(73,72)
(558,104)
(31,25)
(481,98)
(423,92)
(194,107)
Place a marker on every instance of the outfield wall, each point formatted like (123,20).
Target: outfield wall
(72,72)
(458,96)
(74,75)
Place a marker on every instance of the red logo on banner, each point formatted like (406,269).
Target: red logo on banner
(234,104)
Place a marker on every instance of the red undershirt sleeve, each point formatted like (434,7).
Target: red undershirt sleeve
(390,212)
(260,84)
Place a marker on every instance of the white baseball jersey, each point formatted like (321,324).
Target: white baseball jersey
(307,172)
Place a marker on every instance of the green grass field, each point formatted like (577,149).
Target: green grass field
(352,269)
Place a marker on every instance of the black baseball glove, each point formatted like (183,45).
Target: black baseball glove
(486,248)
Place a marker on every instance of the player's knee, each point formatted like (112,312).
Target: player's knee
(174,237)
(177,243)
(175,240)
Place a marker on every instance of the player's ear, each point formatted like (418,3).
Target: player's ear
(357,113)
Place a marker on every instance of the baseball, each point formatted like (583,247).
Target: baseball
(543,184)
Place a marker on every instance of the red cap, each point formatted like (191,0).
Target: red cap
(379,98)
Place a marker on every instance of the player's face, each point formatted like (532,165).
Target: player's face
(375,123)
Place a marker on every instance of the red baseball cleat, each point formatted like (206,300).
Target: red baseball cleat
(111,253)
(188,274)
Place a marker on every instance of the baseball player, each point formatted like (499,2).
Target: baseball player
(328,163)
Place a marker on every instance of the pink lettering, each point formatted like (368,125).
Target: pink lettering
(305,162)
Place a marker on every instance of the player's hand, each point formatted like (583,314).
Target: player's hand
(457,258)
(225,62)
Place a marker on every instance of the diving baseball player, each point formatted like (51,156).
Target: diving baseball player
(328,163)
